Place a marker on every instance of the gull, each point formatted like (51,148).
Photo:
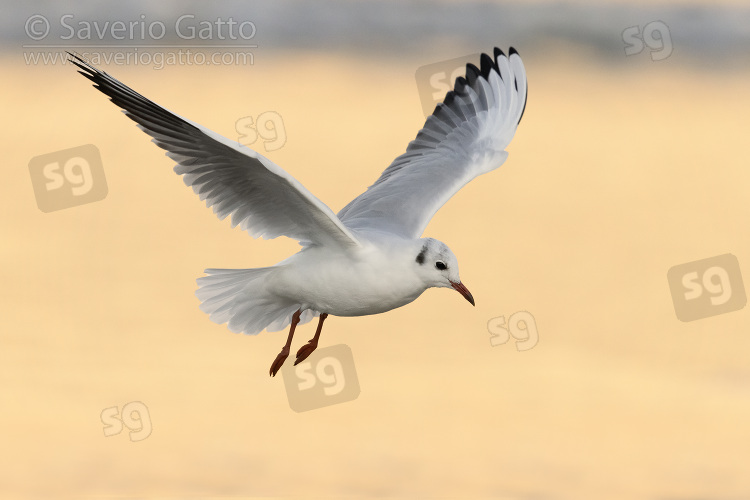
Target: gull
(370,257)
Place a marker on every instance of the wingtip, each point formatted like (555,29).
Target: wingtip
(75,58)
(449,97)
(486,65)
(472,73)
(460,86)
(81,63)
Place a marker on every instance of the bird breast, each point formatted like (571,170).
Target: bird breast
(368,282)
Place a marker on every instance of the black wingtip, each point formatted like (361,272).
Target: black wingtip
(460,86)
(472,73)
(486,65)
(449,97)
(525,100)
(87,70)
(76,58)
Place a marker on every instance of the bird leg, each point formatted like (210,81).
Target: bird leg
(285,351)
(308,348)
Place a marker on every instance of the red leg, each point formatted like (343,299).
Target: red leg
(285,351)
(308,348)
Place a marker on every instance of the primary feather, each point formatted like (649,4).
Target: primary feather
(465,137)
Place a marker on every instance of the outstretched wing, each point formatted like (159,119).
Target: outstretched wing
(466,136)
(234,180)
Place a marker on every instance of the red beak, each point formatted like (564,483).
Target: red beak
(460,288)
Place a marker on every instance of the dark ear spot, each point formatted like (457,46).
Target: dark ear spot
(420,257)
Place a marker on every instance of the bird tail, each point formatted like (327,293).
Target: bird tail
(240,297)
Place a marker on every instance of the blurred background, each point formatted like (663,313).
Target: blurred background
(630,160)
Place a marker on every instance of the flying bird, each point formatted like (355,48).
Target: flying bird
(370,257)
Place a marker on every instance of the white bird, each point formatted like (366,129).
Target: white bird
(368,259)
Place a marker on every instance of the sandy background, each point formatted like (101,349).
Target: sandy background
(616,174)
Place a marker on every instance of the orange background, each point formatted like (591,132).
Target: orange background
(616,174)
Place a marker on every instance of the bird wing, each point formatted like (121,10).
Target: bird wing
(465,136)
(234,180)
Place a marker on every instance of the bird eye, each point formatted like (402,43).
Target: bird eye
(441,265)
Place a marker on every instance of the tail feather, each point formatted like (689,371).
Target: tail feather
(240,298)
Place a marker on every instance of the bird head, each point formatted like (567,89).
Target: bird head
(438,267)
